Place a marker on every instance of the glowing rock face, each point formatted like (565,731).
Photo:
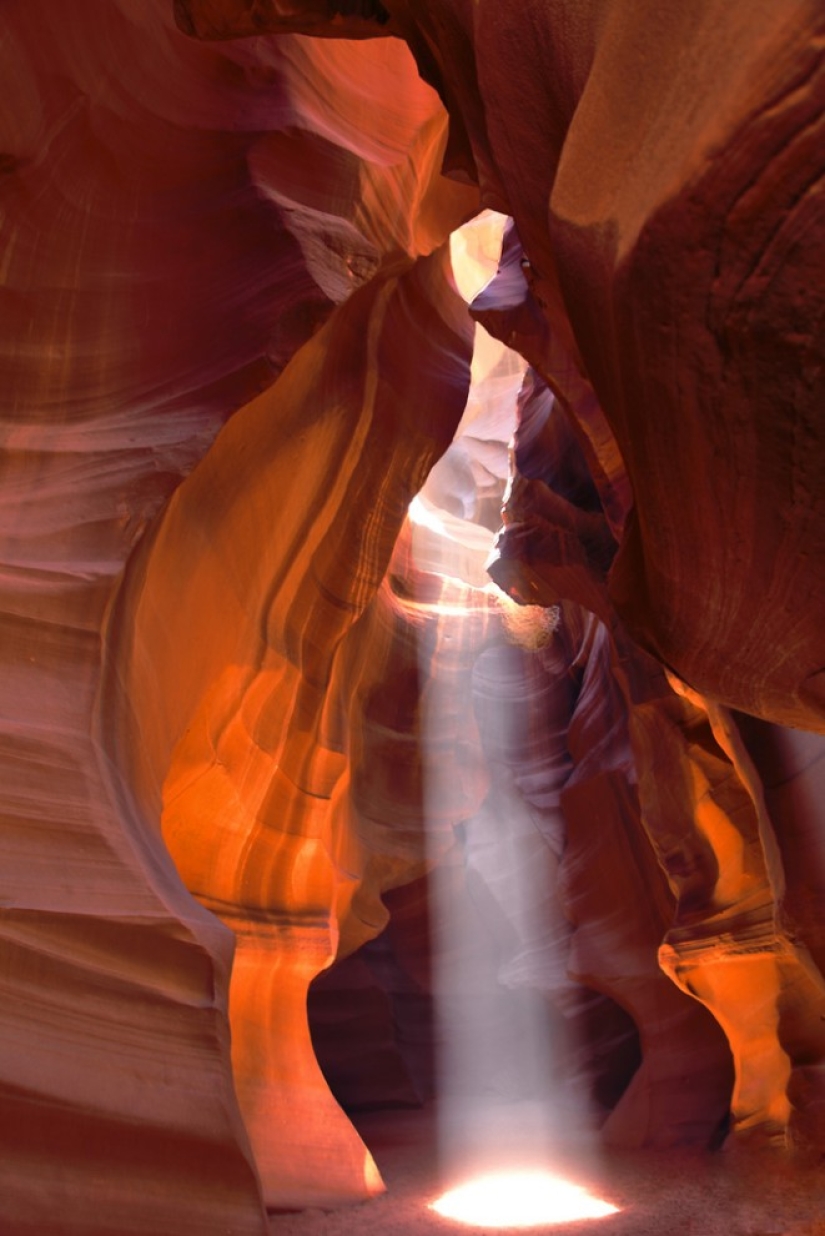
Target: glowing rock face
(259,765)
(226,675)
(137,317)
(520,1199)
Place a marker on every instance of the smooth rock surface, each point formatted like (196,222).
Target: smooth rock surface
(158,270)
(232,353)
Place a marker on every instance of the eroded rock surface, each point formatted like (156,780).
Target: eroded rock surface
(231,354)
(140,309)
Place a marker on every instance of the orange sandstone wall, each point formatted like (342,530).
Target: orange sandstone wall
(230,353)
(162,260)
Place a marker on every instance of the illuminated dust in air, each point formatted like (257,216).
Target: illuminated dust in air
(496,836)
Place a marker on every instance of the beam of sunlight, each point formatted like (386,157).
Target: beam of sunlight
(508,1097)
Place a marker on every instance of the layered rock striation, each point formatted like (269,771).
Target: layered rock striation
(233,668)
(140,311)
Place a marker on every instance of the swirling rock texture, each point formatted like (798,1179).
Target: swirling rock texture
(139,314)
(231,354)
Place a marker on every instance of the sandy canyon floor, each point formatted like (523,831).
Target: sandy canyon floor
(666,1193)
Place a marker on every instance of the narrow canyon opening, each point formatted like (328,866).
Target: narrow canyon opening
(465,1003)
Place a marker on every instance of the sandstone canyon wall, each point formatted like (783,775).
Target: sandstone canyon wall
(232,353)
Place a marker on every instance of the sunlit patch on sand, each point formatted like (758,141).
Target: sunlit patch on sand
(520,1199)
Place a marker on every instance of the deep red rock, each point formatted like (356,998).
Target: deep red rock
(230,356)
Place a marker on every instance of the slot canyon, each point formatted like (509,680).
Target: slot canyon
(412,587)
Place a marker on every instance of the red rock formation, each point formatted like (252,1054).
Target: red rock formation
(140,310)
(253,758)
(214,685)
(681,238)
(733,181)
(617,892)
(732,941)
